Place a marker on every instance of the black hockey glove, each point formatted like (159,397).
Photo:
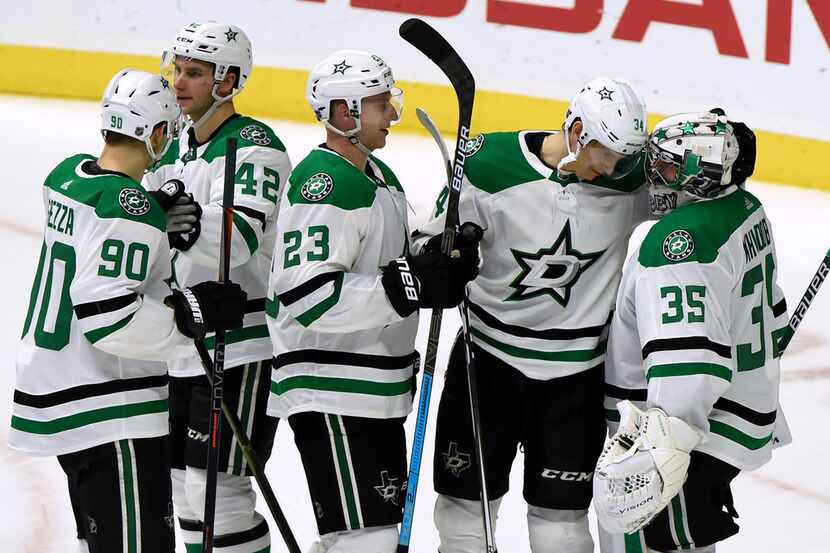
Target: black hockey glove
(183,221)
(465,247)
(168,194)
(432,280)
(207,307)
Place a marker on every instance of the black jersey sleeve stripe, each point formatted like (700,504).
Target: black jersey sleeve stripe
(685,343)
(92,308)
(239,538)
(252,213)
(779,308)
(86,391)
(325,357)
(631,394)
(190,525)
(309,286)
(255,306)
(750,415)
(547,334)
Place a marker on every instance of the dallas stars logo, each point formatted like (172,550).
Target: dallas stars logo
(456,461)
(340,68)
(678,245)
(230,34)
(552,271)
(605,94)
(389,488)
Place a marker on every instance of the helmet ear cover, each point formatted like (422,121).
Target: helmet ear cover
(744,165)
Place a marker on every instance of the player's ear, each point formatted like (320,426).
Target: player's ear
(158,136)
(573,133)
(229,82)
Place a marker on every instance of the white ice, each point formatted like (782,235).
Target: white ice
(785,506)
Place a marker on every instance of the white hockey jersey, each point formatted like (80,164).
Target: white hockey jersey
(262,168)
(696,327)
(551,255)
(339,346)
(95,310)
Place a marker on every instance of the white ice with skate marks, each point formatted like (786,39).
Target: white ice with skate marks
(783,507)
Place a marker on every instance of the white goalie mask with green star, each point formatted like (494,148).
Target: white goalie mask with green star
(690,155)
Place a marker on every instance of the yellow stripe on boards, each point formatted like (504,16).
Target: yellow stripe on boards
(277,93)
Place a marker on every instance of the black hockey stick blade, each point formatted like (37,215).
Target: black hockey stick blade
(434,46)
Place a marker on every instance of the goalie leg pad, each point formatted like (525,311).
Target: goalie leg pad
(459,523)
(558,531)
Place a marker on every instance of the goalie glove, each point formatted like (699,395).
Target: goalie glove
(642,467)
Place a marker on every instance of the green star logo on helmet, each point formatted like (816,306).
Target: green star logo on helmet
(688,128)
(678,245)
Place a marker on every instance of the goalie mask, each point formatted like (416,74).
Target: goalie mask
(696,155)
(613,115)
(135,103)
(351,76)
(226,47)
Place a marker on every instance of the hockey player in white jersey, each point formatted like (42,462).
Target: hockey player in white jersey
(556,209)
(91,385)
(209,64)
(693,360)
(343,330)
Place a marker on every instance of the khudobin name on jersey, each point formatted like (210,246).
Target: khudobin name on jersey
(95,308)
(552,253)
(339,346)
(262,168)
(696,327)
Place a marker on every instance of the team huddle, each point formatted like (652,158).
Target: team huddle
(642,385)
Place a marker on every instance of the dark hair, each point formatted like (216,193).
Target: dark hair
(112,138)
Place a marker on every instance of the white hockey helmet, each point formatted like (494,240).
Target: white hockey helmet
(226,46)
(135,103)
(612,114)
(350,75)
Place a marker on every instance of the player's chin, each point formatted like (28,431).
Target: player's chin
(379,140)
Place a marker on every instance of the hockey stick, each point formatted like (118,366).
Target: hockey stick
(472,381)
(217,381)
(436,48)
(804,304)
(253,460)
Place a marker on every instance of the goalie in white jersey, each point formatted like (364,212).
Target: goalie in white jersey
(209,64)
(343,330)
(91,385)
(693,359)
(556,209)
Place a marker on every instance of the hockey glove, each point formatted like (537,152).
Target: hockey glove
(432,280)
(642,467)
(207,307)
(465,246)
(183,221)
(168,194)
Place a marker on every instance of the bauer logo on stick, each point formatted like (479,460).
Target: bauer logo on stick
(678,245)
(317,187)
(133,202)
